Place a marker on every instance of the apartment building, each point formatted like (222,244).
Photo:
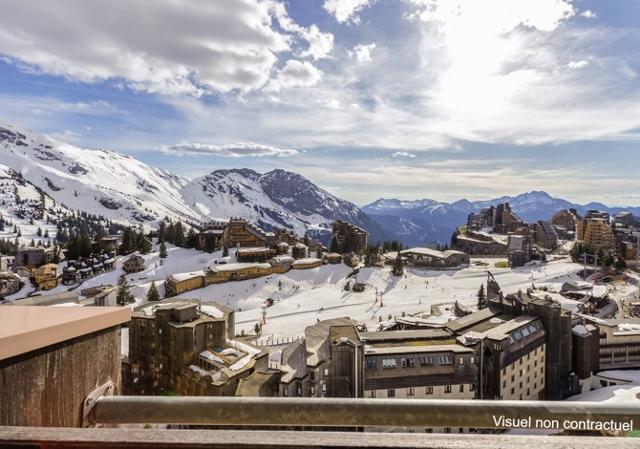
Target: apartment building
(395,367)
(594,229)
(188,348)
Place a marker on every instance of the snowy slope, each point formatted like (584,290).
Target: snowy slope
(124,189)
(25,208)
(101,182)
(278,198)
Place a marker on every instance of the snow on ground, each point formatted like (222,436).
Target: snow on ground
(301,297)
(616,394)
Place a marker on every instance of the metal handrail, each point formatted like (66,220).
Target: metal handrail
(338,412)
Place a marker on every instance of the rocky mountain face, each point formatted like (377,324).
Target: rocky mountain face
(278,198)
(422,221)
(124,189)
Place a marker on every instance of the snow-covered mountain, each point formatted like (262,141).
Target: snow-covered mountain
(124,189)
(278,198)
(417,222)
(100,182)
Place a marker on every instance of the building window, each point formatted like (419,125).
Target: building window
(371,364)
(429,391)
(324,388)
(313,389)
(447,389)
(412,363)
(411,391)
(391,393)
(299,391)
(388,363)
(403,362)
(286,392)
(326,372)
(461,388)
(372,394)
(461,361)
(473,360)
(472,387)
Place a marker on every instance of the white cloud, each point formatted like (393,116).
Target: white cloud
(296,74)
(346,10)
(229,150)
(164,46)
(319,43)
(403,154)
(588,14)
(578,64)
(362,52)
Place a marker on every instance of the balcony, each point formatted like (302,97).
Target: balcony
(343,416)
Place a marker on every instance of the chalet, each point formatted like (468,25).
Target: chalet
(46,276)
(134,264)
(282,248)
(52,358)
(305,264)
(259,254)
(179,283)
(300,251)
(431,258)
(70,274)
(333,258)
(33,257)
(281,264)
(351,259)
(236,272)
(111,243)
(10,283)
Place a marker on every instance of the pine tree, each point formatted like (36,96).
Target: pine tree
(152,294)
(124,296)
(481,298)
(163,251)
(398,266)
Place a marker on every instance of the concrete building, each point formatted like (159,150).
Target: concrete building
(188,348)
(420,370)
(565,219)
(348,238)
(33,257)
(594,229)
(327,362)
(52,358)
(546,236)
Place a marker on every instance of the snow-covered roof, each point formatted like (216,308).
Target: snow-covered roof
(212,311)
(179,277)
(239,266)
(307,261)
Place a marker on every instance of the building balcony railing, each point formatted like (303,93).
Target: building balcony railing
(353,415)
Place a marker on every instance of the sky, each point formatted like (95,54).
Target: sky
(409,99)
